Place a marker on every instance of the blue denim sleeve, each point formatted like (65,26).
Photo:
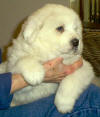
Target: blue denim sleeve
(5,87)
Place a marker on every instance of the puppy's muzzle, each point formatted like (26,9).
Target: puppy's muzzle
(75,42)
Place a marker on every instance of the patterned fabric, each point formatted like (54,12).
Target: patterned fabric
(91,51)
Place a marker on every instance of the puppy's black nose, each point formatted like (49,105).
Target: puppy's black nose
(75,42)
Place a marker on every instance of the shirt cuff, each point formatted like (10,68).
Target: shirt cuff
(5,87)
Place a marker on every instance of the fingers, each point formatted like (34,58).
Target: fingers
(55,77)
(54,80)
(56,70)
(78,64)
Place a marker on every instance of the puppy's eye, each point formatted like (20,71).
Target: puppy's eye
(60,29)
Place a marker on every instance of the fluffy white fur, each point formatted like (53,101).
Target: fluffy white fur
(40,41)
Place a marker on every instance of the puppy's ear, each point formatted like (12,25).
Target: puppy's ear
(28,29)
(35,21)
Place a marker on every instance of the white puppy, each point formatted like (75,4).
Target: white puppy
(52,31)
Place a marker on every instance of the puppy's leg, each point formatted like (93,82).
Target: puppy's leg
(72,86)
(31,69)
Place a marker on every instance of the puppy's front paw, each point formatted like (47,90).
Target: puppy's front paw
(32,71)
(34,75)
(64,104)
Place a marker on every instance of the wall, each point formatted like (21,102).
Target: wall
(13,12)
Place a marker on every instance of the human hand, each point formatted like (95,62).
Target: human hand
(56,70)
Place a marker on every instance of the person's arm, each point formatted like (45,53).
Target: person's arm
(18,82)
(55,71)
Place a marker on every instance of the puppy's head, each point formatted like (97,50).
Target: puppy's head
(56,28)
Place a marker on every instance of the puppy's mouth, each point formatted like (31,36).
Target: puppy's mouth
(73,50)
